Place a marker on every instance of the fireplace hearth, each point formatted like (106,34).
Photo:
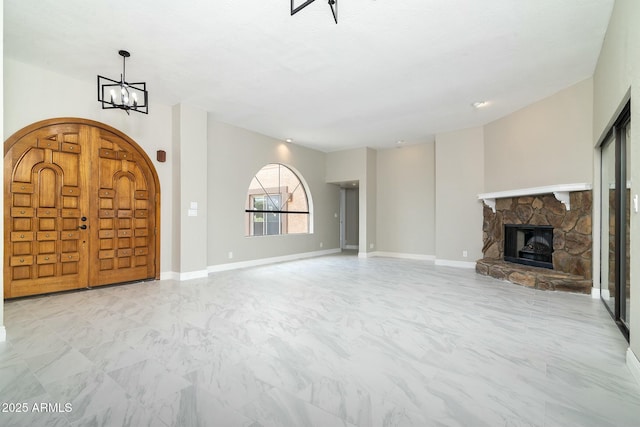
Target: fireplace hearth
(529,245)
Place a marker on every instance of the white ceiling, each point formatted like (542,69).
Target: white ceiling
(388,71)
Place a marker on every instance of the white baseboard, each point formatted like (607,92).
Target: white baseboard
(457,264)
(271,260)
(351,247)
(169,275)
(605,294)
(419,257)
(174,275)
(3,334)
(634,364)
(194,275)
(595,293)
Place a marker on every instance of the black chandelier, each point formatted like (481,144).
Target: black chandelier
(298,5)
(121,94)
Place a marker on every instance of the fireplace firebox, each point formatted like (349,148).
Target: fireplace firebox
(529,245)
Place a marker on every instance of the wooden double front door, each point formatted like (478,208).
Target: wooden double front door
(81,208)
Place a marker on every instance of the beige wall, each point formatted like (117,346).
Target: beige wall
(175,183)
(617,74)
(405,200)
(190,151)
(235,155)
(370,189)
(546,143)
(358,165)
(347,165)
(615,68)
(459,179)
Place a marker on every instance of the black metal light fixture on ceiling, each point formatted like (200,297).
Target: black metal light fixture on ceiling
(122,94)
(298,5)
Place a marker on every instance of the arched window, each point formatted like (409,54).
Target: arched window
(277,203)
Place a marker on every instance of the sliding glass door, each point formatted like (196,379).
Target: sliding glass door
(608,225)
(625,300)
(615,216)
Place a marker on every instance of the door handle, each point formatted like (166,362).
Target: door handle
(82,227)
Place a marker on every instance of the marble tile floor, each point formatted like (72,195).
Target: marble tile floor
(329,341)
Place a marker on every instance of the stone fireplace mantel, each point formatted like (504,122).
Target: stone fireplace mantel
(561,192)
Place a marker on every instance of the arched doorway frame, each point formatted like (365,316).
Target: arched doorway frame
(18,135)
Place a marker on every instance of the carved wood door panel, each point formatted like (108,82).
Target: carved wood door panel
(124,217)
(80,209)
(45,248)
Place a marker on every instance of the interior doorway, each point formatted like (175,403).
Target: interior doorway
(349,216)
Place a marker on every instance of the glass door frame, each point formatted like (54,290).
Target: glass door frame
(618,131)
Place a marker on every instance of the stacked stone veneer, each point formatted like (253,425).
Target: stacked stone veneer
(572,240)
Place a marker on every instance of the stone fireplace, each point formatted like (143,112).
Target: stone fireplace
(549,236)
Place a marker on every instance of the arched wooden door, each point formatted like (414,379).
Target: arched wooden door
(81,208)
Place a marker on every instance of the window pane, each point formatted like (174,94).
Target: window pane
(297,223)
(268,178)
(277,188)
(258,203)
(258,224)
(273,202)
(273,224)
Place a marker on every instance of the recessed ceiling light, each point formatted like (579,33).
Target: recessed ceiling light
(479,104)
(400,142)
(288,140)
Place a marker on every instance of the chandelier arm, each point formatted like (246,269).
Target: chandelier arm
(299,8)
(333,4)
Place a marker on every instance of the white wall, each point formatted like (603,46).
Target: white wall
(32,94)
(406,200)
(235,155)
(546,143)
(459,179)
(617,74)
